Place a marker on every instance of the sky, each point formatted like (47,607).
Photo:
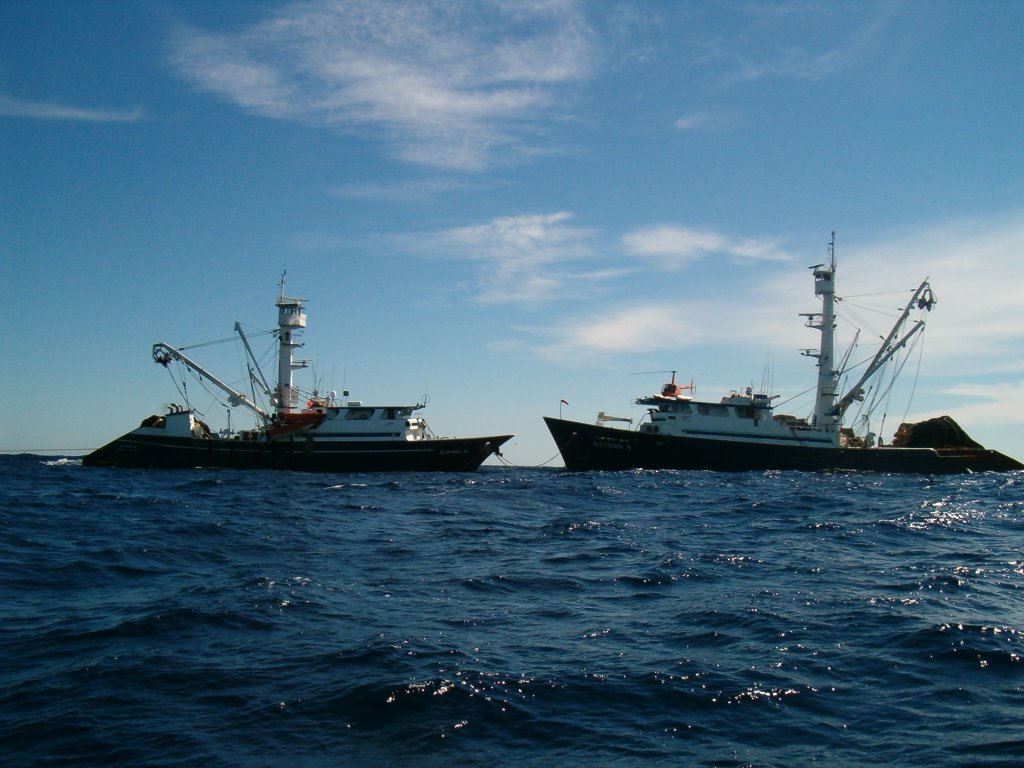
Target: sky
(503,205)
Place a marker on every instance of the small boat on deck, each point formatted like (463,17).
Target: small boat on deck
(742,432)
(301,431)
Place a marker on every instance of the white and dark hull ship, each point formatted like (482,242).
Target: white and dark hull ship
(313,448)
(741,432)
(322,435)
(593,447)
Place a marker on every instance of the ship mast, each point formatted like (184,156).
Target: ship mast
(825,414)
(290,318)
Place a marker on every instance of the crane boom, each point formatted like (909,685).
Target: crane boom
(255,362)
(923,298)
(165,353)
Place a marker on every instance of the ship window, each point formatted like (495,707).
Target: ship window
(359,413)
(712,410)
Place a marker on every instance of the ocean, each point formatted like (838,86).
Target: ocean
(509,617)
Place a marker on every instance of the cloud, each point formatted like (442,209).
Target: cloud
(675,246)
(992,413)
(38,110)
(524,255)
(654,326)
(798,40)
(705,120)
(537,258)
(997,404)
(678,243)
(634,329)
(446,84)
(410,190)
(791,62)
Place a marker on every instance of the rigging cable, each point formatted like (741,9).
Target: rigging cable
(794,397)
(184,386)
(896,371)
(917,374)
(183,389)
(221,341)
(510,465)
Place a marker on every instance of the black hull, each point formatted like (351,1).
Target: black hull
(588,447)
(456,454)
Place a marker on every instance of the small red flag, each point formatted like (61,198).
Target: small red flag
(566,402)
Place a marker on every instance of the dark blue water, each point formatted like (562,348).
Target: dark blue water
(171,618)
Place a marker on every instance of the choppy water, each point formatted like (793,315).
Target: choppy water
(171,618)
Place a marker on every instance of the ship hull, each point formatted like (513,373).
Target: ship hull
(297,453)
(588,447)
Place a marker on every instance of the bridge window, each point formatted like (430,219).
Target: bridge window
(712,410)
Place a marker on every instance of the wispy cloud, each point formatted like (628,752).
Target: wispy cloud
(41,110)
(675,246)
(705,120)
(797,40)
(449,85)
(640,328)
(524,255)
(530,260)
(790,62)
(998,404)
(663,326)
(410,190)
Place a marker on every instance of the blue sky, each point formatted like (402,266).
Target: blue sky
(505,204)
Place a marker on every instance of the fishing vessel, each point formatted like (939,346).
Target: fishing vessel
(297,430)
(741,431)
